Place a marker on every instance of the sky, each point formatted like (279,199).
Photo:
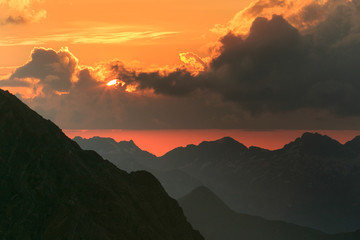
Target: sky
(159,142)
(141,64)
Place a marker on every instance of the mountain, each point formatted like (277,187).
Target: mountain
(313,181)
(52,189)
(125,154)
(129,157)
(213,151)
(216,221)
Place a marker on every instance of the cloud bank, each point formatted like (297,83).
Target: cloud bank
(295,70)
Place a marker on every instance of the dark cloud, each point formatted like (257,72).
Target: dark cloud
(275,77)
(90,104)
(15,20)
(262,71)
(278,69)
(55,70)
(14,83)
(176,83)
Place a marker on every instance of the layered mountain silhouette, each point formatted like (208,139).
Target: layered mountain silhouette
(129,157)
(125,154)
(216,221)
(313,181)
(52,189)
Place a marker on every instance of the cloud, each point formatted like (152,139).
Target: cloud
(194,62)
(20,11)
(15,20)
(175,83)
(54,70)
(92,35)
(278,75)
(14,83)
(302,14)
(277,68)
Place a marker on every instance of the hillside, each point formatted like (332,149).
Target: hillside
(216,221)
(52,189)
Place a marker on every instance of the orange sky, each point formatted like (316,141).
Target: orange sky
(183,64)
(159,142)
(139,32)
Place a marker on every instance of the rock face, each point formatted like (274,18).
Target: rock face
(216,221)
(52,189)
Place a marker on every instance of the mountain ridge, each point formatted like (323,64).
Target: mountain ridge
(217,221)
(52,189)
(312,181)
(224,140)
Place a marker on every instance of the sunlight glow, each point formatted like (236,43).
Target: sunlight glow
(130,88)
(112,83)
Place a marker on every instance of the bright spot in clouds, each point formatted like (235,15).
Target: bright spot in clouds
(130,88)
(112,82)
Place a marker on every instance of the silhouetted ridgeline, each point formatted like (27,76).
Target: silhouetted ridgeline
(313,181)
(129,157)
(216,221)
(52,189)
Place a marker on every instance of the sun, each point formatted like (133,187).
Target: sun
(112,83)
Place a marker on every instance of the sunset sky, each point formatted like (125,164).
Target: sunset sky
(140,32)
(253,65)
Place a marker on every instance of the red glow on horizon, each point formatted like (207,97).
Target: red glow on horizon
(159,142)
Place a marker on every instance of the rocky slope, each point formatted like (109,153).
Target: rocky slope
(52,189)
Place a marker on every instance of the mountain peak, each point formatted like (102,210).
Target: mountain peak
(315,143)
(353,145)
(202,191)
(206,198)
(130,144)
(314,135)
(355,142)
(316,138)
(225,142)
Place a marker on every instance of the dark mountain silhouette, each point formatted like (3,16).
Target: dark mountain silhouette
(52,189)
(216,221)
(313,181)
(214,151)
(125,154)
(129,157)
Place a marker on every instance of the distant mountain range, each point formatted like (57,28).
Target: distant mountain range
(313,181)
(216,221)
(51,189)
(129,157)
